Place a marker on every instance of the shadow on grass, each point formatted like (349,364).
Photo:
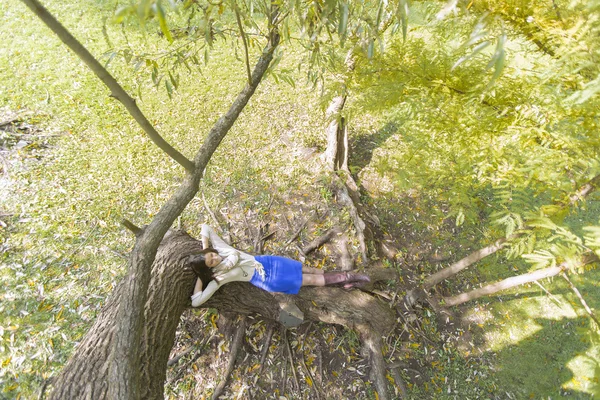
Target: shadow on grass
(362,147)
(543,364)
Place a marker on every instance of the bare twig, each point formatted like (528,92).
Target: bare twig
(241,28)
(581,299)
(236,345)
(297,233)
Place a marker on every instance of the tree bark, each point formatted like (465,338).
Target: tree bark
(86,374)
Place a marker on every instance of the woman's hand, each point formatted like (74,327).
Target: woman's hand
(204,242)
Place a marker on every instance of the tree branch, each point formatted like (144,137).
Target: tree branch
(480,254)
(116,90)
(514,281)
(503,285)
(458,266)
(239,22)
(581,299)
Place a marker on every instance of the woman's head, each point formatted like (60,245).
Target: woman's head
(204,261)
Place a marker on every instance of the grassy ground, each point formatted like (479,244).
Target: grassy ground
(64,193)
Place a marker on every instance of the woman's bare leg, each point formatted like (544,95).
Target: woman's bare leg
(312,279)
(312,271)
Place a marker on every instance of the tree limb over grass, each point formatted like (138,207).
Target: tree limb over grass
(115,88)
(514,281)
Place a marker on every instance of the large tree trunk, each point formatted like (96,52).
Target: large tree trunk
(86,375)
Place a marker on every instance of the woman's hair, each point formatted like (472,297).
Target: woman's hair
(198,264)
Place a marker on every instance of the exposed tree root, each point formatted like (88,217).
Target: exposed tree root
(314,384)
(236,345)
(297,233)
(178,357)
(398,380)
(320,241)
(265,349)
(291,358)
(372,344)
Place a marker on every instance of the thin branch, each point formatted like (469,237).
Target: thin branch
(585,190)
(320,241)
(581,299)
(236,345)
(137,231)
(115,88)
(552,297)
(239,22)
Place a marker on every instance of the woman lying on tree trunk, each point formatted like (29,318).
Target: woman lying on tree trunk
(271,273)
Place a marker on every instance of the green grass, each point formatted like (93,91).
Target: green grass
(63,245)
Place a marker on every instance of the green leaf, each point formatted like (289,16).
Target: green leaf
(475,51)
(143,10)
(173,81)
(343,25)
(122,12)
(403,16)
(162,21)
(169,88)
